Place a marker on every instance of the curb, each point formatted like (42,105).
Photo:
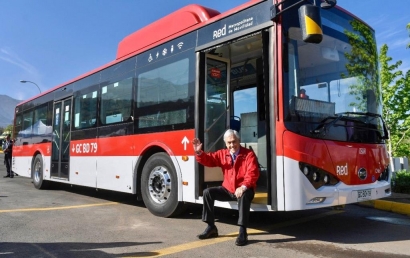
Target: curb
(396,207)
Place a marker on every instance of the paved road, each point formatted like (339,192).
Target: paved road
(67,221)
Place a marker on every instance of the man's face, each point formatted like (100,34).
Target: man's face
(232,143)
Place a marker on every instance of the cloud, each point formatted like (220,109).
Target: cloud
(392,32)
(15,69)
(7,55)
(388,34)
(400,43)
(245,95)
(405,66)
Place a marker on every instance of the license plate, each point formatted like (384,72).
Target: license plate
(364,194)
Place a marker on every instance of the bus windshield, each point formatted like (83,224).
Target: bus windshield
(323,82)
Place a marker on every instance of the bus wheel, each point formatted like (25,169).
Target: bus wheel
(159,186)
(37,173)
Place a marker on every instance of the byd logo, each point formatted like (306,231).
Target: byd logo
(342,170)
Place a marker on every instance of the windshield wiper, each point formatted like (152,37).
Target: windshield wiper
(322,128)
(385,131)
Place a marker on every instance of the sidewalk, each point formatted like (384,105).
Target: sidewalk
(397,203)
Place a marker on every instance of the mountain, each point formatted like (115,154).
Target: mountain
(7,107)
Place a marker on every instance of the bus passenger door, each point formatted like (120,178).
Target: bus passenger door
(216,111)
(237,95)
(250,106)
(60,153)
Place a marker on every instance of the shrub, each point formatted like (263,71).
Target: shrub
(401,182)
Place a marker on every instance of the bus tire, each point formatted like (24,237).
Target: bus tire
(159,186)
(37,173)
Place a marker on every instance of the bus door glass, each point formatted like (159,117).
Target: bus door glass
(216,111)
(216,103)
(60,153)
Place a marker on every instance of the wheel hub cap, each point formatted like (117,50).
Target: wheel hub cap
(159,184)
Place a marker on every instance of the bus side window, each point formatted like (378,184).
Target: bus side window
(163,95)
(116,102)
(27,124)
(85,110)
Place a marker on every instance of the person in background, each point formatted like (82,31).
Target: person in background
(302,94)
(240,171)
(8,149)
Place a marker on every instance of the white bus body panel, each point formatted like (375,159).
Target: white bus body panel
(187,171)
(22,166)
(297,191)
(83,171)
(115,173)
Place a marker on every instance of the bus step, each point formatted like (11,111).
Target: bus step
(260,198)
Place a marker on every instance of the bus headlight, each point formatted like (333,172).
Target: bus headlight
(326,179)
(316,200)
(306,171)
(384,176)
(316,176)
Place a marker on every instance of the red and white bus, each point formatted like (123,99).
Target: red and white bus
(305,98)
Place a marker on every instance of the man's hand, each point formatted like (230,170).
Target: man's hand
(239,192)
(197,145)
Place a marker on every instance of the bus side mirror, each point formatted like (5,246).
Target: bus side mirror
(310,23)
(327,4)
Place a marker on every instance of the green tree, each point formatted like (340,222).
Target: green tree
(9,128)
(408,28)
(396,103)
(363,64)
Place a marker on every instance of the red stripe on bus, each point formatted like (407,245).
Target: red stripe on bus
(175,143)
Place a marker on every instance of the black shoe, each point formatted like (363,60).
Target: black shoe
(6,176)
(242,239)
(11,176)
(210,232)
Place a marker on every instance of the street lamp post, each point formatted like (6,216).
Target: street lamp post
(24,81)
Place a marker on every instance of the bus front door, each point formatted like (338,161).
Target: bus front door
(237,96)
(60,153)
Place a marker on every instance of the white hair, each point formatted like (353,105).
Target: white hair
(230,132)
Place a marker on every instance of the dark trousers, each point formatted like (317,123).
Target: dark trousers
(7,160)
(219,193)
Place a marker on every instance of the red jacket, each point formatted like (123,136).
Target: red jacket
(245,171)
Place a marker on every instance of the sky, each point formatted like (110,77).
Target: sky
(50,42)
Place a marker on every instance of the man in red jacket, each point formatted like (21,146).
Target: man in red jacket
(241,171)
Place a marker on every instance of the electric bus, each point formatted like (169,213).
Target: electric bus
(298,80)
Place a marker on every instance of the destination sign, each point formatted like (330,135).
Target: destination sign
(248,18)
